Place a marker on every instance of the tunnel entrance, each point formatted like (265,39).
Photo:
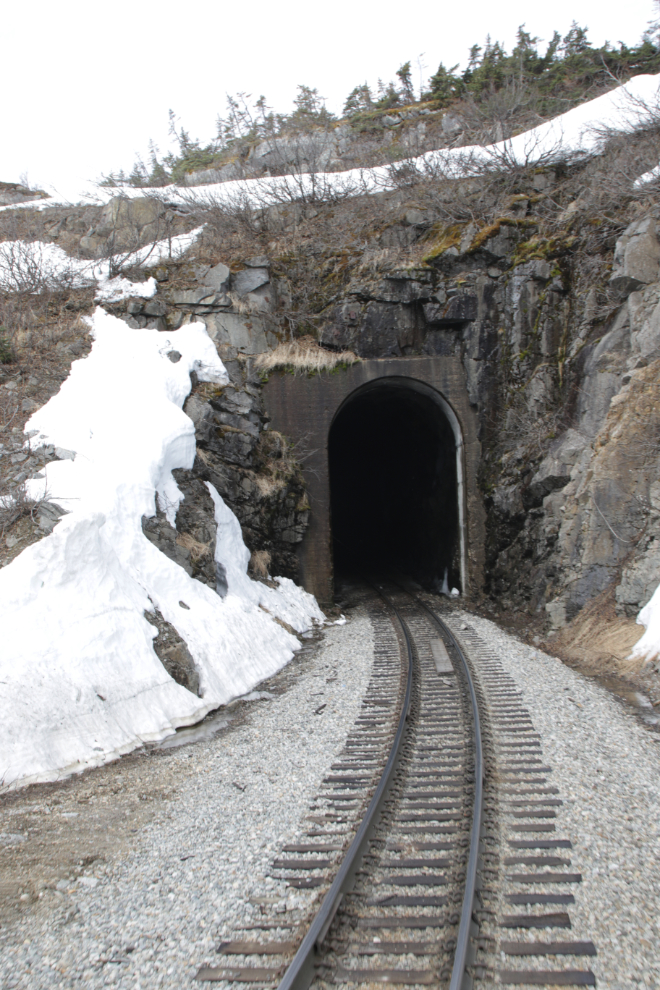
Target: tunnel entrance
(395,483)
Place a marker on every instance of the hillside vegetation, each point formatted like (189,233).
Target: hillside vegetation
(497,95)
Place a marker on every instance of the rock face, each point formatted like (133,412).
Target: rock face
(338,146)
(13,192)
(252,467)
(173,652)
(637,256)
(191,544)
(256,474)
(568,406)
(584,520)
(560,344)
(568,403)
(124,225)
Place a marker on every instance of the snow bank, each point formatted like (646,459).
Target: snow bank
(80,682)
(30,266)
(578,132)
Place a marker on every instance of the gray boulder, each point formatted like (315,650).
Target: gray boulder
(193,297)
(125,225)
(554,471)
(250,279)
(452,124)
(639,580)
(246,335)
(218,278)
(209,176)
(636,256)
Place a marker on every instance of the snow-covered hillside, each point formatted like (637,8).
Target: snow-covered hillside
(580,131)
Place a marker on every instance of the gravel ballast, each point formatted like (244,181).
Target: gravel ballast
(200,868)
(606,766)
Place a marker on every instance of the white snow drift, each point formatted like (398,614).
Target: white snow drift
(79,680)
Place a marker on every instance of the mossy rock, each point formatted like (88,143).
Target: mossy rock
(441,238)
(493,229)
(540,248)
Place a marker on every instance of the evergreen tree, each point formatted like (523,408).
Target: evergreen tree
(405,76)
(359,100)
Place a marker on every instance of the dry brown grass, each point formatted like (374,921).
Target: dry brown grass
(45,333)
(267,485)
(198,550)
(305,356)
(598,640)
(259,564)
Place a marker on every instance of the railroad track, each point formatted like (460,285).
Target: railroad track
(431,835)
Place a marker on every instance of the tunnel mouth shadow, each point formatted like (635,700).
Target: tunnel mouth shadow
(394,485)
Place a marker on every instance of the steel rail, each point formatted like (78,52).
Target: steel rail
(300,972)
(465,925)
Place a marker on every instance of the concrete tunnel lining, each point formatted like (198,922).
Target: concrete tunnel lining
(303,407)
(402,385)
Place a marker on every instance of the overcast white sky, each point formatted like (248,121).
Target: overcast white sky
(86,85)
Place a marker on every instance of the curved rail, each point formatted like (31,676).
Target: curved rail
(463,936)
(300,971)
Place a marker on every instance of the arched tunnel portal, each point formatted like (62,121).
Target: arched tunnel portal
(396,478)
(390,454)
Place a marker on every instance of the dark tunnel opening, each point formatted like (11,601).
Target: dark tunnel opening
(394,486)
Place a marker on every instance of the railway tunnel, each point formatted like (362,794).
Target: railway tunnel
(392,454)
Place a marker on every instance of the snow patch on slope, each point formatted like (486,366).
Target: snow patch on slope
(31,266)
(115,289)
(579,131)
(80,682)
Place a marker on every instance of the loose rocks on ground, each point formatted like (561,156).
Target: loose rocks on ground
(157,889)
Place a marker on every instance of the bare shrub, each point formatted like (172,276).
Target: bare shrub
(35,267)
(233,226)
(19,505)
(6,350)
(9,411)
(312,251)
(45,333)
(267,485)
(35,323)
(499,114)
(532,434)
